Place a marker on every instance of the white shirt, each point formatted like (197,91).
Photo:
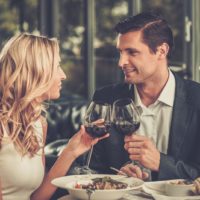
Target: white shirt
(20,176)
(156,118)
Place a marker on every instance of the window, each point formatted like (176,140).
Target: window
(71,36)
(174,13)
(15,17)
(87,38)
(108,13)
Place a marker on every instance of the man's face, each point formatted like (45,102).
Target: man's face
(138,63)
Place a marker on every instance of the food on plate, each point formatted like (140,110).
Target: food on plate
(104,183)
(179,187)
(182,182)
(196,187)
(183,187)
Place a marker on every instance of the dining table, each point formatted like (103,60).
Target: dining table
(140,195)
(133,195)
(139,190)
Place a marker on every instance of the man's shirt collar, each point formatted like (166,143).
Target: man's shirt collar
(166,96)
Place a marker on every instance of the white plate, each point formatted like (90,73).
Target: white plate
(157,190)
(68,182)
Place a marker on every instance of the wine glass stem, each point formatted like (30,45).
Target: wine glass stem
(89,157)
(143,169)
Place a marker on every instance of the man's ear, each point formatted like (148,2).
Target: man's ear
(163,50)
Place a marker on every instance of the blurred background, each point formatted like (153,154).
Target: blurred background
(87,39)
(89,57)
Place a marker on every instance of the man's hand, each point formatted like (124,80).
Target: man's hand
(142,149)
(135,171)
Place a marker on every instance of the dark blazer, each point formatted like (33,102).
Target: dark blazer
(183,157)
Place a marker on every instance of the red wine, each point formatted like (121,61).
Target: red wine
(126,128)
(97,131)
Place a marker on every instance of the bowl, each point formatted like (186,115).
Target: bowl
(70,183)
(179,187)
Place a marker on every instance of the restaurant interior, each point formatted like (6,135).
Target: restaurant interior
(88,53)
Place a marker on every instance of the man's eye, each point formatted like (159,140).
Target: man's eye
(132,53)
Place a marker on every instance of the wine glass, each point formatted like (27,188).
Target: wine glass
(125,116)
(97,122)
(126,120)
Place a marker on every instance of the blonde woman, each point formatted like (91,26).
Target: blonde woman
(30,74)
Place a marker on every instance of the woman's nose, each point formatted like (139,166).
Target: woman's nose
(62,74)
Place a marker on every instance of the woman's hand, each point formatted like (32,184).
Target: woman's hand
(77,145)
(82,142)
(134,171)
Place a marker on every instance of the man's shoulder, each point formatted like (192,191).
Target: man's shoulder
(192,89)
(112,87)
(109,93)
(188,85)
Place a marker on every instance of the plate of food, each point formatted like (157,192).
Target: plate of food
(98,186)
(178,189)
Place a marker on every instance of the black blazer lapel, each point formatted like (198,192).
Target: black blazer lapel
(181,115)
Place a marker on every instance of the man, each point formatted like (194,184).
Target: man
(167,141)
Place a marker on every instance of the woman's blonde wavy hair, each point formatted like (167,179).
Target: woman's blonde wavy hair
(27,66)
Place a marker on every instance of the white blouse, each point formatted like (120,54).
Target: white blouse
(20,176)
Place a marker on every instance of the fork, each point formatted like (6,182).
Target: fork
(119,171)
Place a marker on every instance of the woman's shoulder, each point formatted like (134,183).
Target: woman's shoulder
(40,127)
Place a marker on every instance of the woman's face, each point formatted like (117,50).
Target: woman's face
(56,84)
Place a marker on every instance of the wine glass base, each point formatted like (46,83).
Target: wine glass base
(144,169)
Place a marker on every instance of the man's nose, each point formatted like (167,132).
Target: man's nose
(123,61)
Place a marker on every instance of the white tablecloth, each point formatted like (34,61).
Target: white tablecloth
(136,195)
(133,195)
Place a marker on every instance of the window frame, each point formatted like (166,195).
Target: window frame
(189,66)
